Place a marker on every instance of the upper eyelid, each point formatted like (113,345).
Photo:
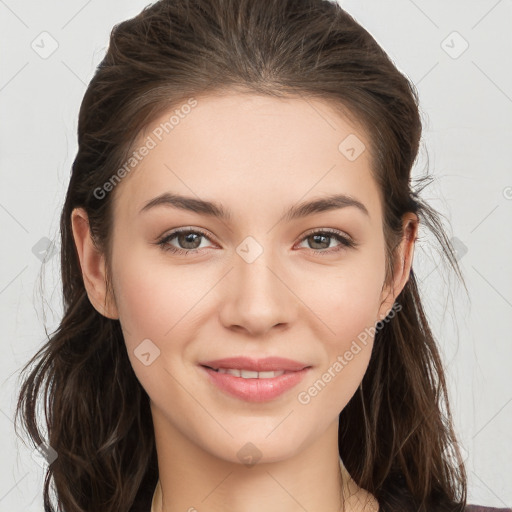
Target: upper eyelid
(187,229)
(177,231)
(332,231)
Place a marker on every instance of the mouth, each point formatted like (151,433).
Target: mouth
(249,374)
(254,380)
(260,365)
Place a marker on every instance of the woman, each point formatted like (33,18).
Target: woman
(243,328)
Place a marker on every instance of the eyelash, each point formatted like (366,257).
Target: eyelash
(345,242)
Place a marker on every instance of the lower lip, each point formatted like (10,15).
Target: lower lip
(255,390)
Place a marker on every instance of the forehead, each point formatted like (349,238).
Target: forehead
(244,149)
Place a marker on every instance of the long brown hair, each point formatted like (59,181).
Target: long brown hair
(395,435)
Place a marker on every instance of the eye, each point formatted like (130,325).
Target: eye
(320,241)
(189,238)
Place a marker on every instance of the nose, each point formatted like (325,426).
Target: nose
(257,296)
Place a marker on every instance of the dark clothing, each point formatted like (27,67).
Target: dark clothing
(478,508)
(144,505)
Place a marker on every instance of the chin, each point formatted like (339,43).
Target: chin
(257,447)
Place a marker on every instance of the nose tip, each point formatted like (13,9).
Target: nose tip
(255,299)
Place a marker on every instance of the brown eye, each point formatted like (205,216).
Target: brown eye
(319,241)
(188,241)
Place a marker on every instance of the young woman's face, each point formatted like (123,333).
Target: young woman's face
(256,283)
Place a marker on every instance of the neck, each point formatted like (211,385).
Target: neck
(192,479)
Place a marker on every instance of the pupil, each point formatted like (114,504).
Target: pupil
(188,238)
(323,237)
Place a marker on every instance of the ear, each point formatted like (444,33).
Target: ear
(92,263)
(402,264)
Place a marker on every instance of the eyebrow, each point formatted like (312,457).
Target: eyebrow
(200,206)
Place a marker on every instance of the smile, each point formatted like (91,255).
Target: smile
(254,380)
(249,374)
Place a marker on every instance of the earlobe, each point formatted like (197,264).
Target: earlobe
(92,263)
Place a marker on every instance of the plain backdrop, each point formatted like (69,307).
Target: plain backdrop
(458,54)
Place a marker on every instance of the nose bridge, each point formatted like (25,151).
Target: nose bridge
(257,298)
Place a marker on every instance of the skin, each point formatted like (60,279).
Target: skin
(257,156)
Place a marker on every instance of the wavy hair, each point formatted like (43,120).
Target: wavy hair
(396,435)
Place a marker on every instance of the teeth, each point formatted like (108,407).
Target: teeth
(246,374)
(249,374)
(269,375)
(236,373)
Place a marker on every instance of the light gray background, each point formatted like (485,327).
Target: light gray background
(466,102)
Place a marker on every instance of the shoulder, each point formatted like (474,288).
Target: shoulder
(479,508)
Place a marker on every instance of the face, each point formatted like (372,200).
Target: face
(256,283)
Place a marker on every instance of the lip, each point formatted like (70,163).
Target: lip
(255,390)
(266,364)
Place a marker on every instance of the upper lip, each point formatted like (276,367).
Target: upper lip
(266,364)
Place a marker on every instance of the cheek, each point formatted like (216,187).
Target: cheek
(161,302)
(349,301)
(349,308)
(152,303)
(152,298)
(158,302)
(347,354)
